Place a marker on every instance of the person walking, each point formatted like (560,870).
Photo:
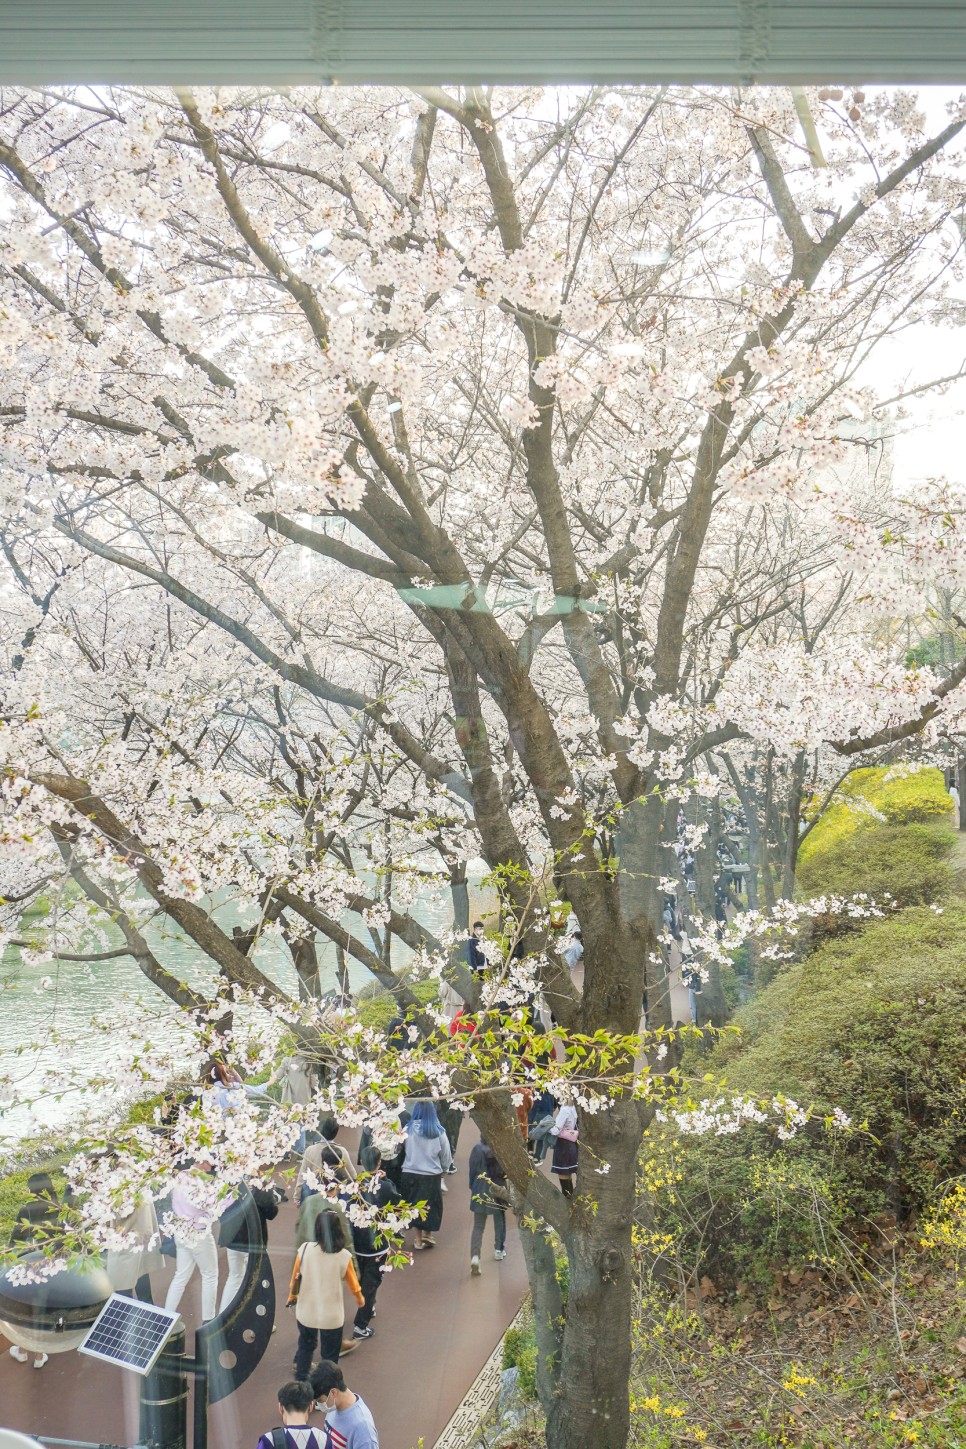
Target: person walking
(348,1422)
(564,1163)
(371,1248)
(428,1156)
(475,958)
(332,1197)
(320,1152)
(540,1120)
(392,1153)
(488,1199)
(194,1243)
(296,1075)
(129,1268)
(321,1268)
(236,1238)
(573,952)
(295,1402)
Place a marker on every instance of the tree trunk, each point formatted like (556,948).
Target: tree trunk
(460,895)
(767,879)
(341,971)
(712,1005)
(640,846)
(706,859)
(548,1306)
(592,1402)
(794,816)
(306,962)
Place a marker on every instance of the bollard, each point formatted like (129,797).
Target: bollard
(164,1397)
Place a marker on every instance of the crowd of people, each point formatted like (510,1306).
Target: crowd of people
(335,1255)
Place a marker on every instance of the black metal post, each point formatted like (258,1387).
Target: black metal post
(199,1422)
(164,1398)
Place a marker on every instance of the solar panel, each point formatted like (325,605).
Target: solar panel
(129,1333)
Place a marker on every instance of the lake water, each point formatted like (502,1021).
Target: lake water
(39,1026)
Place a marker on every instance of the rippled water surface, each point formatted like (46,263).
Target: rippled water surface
(42,1021)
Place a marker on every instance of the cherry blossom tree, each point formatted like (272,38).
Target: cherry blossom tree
(452,474)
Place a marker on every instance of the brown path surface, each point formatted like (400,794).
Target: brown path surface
(435,1328)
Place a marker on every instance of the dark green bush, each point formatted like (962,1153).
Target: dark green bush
(740,1209)
(908,862)
(871,1023)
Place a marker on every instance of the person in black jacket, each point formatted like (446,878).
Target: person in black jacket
(371,1248)
(488,1199)
(235,1238)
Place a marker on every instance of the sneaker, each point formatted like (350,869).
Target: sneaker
(348,1344)
(443,1187)
(499,1255)
(451,1169)
(475,1269)
(39,1362)
(19,1354)
(362,1333)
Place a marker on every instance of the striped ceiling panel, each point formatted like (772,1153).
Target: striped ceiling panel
(279,42)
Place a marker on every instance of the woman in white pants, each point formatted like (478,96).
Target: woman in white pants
(237,1260)
(195,1245)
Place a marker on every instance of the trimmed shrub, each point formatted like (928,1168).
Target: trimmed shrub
(871,1023)
(902,800)
(910,863)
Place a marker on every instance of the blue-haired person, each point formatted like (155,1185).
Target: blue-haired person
(428,1156)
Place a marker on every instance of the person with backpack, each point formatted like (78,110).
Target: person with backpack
(488,1199)
(371,1248)
(295,1402)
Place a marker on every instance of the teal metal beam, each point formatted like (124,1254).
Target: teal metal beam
(292,42)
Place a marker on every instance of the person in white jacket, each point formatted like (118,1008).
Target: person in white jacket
(564,1163)
(194,1240)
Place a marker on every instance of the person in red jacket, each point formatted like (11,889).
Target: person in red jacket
(462,1023)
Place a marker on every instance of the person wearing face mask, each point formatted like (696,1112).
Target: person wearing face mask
(348,1422)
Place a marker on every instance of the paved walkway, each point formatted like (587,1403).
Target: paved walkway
(435,1329)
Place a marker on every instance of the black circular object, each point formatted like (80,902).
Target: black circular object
(65,1302)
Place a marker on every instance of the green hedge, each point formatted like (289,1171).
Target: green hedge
(872,1023)
(377,1009)
(902,800)
(910,863)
